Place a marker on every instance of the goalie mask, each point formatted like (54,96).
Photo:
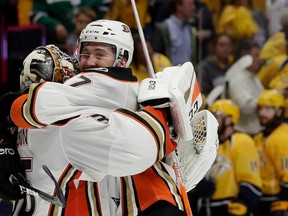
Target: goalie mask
(110,32)
(47,63)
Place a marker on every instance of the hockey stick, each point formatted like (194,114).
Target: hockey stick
(59,199)
(152,75)
(143,41)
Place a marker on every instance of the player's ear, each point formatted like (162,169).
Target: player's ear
(122,62)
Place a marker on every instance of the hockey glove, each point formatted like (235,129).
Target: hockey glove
(10,165)
(279,208)
(238,208)
(175,87)
(205,188)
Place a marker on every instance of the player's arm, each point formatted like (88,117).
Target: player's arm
(50,102)
(247,168)
(9,157)
(277,148)
(125,144)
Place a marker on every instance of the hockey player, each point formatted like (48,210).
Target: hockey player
(280,83)
(236,171)
(99,139)
(273,149)
(44,63)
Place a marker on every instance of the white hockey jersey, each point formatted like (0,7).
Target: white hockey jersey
(86,147)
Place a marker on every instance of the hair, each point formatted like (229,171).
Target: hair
(244,47)
(173,5)
(88,12)
(136,60)
(137,41)
(219,35)
(215,40)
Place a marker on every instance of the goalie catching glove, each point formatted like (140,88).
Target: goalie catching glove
(197,155)
(175,87)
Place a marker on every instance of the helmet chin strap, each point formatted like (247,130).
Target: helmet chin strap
(115,64)
(118,60)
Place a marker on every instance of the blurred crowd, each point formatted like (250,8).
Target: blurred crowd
(239,52)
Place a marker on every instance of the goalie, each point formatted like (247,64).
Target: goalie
(44,63)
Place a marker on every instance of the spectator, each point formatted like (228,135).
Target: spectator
(236,19)
(139,64)
(175,37)
(57,17)
(258,14)
(272,68)
(211,71)
(280,83)
(24,8)
(202,21)
(276,43)
(205,29)
(274,53)
(81,19)
(244,88)
(273,12)
(122,11)
(272,146)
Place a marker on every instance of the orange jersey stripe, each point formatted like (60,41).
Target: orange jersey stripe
(152,185)
(66,184)
(16,112)
(32,102)
(196,91)
(161,117)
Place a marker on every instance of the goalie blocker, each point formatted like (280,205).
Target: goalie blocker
(175,87)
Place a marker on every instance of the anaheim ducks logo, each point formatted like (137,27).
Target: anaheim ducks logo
(125,28)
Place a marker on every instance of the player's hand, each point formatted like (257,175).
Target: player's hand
(205,188)
(279,208)
(10,166)
(237,208)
